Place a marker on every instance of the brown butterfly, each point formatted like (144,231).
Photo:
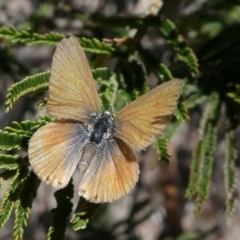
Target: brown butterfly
(96,143)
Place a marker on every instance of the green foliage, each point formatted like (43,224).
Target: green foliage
(202,164)
(29,85)
(24,204)
(205,171)
(84,211)
(11,141)
(162,149)
(27,128)
(109,86)
(31,38)
(164,73)
(61,213)
(230,175)
(195,166)
(235,95)
(184,53)
(12,195)
(181,112)
(194,97)
(101,74)
(28,37)
(9,162)
(7,203)
(95,46)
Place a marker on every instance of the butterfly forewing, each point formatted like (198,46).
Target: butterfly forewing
(55,150)
(112,171)
(73,92)
(141,122)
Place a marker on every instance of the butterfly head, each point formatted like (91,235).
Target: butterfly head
(101,126)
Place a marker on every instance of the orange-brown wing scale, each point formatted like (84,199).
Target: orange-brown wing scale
(73,92)
(111,172)
(141,122)
(55,151)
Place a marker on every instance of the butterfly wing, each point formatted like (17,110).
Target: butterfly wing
(141,122)
(72,90)
(55,151)
(111,172)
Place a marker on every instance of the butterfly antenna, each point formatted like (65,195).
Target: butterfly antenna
(110,110)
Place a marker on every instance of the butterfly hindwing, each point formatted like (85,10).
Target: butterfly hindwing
(112,171)
(55,151)
(72,89)
(141,122)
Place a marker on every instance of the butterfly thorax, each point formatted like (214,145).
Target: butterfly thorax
(102,127)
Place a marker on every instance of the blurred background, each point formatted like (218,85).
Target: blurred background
(156,208)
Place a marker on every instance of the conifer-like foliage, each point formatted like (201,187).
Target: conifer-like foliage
(212,85)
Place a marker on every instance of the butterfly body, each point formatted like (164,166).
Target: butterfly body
(102,127)
(96,143)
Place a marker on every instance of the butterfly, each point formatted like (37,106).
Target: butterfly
(99,145)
